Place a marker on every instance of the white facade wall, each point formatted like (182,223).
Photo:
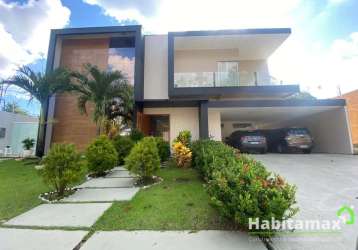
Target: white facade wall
(330,131)
(179,119)
(214,120)
(156,67)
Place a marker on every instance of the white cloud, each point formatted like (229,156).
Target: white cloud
(25,29)
(319,70)
(174,15)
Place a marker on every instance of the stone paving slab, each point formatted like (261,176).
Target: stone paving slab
(120,168)
(172,240)
(108,183)
(119,174)
(16,239)
(61,215)
(102,195)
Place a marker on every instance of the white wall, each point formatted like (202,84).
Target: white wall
(7,121)
(180,119)
(330,131)
(214,124)
(156,67)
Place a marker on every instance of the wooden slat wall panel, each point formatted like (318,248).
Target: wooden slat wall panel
(352,106)
(70,126)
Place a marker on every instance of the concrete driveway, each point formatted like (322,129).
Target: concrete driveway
(325,183)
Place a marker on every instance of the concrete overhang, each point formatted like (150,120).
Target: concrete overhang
(267,111)
(251,44)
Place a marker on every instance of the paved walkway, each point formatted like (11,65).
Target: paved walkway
(72,211)
(173,240)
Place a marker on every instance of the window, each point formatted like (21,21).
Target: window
(121,56)
(159,125)
(2,132)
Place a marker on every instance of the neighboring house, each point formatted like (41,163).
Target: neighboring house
(208,82)
(352,106)
(14,128)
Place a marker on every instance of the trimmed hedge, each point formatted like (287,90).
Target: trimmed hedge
(62,167)
(123,145)
(241,187)
(144,159)
(163,149)
(136,135)
(101,156)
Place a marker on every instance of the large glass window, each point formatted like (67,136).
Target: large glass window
(121,56)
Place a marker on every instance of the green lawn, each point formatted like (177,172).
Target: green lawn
(20,186)
(178,203)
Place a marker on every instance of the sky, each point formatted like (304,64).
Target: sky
(321,54)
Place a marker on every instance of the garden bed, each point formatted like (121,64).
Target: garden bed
(51,197)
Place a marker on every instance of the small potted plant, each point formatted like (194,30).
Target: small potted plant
(28,144)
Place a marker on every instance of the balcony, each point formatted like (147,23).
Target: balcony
(214,79)
(224,64)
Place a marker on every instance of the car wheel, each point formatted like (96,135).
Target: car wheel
(306,151)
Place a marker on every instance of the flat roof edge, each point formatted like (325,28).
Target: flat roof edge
(278,103)
(97,30)
(233,32)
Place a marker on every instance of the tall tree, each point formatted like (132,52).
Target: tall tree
(41,87)
(108,91)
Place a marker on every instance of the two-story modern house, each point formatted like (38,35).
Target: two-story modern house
(209,82)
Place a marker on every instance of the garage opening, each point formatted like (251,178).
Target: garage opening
(328,125)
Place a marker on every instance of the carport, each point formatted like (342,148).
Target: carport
(327,120)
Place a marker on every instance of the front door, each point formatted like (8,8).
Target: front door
(159,125)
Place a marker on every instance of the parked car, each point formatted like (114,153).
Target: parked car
(248,141)
(286,140)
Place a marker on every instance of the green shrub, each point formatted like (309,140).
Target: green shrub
(62,167)
(144,159)
(136,135)
(101,156)
(163,149)
(184,137)
(242,188)
(209,155)
(123,145)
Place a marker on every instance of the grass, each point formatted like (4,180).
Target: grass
(20,186)
(178,203)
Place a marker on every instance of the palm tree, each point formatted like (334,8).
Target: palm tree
(102,89)
(41,87)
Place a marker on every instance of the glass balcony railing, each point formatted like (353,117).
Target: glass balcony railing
(214,79)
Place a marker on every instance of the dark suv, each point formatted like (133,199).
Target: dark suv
(248,141)
(289,140)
